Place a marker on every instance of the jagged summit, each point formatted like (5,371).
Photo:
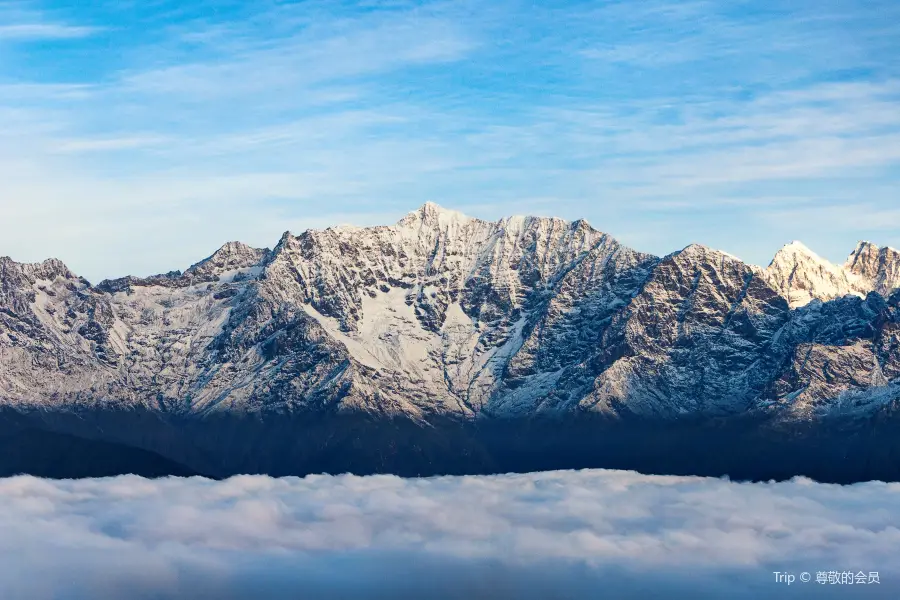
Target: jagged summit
(434,237)
(878,265)
(46,269)
(798,251)
(698,253)
(434,215)
(797,247)
(436,260)
(701,250)
(862,247)
(801,276)
(231,256)
(233,259)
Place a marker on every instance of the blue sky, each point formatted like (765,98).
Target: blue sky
(136,137)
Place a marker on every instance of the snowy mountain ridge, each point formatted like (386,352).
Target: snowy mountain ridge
(801,276)
(445,315)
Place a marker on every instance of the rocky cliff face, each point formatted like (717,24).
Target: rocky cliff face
(879,266)
(443,316)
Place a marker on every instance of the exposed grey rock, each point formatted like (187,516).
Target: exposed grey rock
(451,317)
(881,266)
(229,260)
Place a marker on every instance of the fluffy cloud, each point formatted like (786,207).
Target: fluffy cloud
(542,535)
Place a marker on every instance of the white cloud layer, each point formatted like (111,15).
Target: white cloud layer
(610,534)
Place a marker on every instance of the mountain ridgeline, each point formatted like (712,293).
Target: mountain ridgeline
(449,344)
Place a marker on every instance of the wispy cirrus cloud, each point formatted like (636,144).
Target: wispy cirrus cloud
(25,22)
(308,58)
(43,31)
(109,144)
(664,123)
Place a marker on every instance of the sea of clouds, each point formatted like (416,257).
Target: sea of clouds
(565,534)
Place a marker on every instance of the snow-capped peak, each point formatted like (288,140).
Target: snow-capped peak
(798,247)
(801,275)
(878,265)
(232,255)
(431,215)
(703,252)
(47,269)
(798,251)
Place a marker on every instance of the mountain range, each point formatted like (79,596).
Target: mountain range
(449,344)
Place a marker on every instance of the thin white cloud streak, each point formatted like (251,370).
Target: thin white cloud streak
(23,22)
(540,535)
(43,31)
(737,130)
(17,92)
(778,44)
(109,144)
(304,59)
